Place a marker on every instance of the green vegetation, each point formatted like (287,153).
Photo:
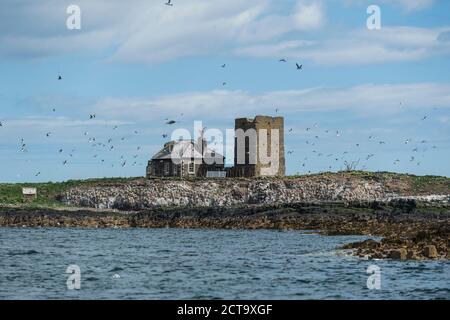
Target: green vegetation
(48,192)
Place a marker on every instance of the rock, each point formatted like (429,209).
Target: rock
(153,193)
(371,244)
(398,254)
(430,252)
(412,255)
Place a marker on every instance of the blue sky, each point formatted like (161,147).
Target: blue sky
(136,63)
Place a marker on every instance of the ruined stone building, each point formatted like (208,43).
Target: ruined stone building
(185,158)
(259,147)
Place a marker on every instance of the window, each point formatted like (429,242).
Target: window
(166,168)
(191,168)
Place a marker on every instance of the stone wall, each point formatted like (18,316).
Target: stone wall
(262,126)
(142,193)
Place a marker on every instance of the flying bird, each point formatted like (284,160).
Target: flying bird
(224,65)
(171,122)
(92,116)
(282,60)
(299,67)
(169,3)
(59,77)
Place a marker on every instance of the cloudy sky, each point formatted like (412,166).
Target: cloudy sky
(380,98)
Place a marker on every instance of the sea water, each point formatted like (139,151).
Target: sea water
(202,264)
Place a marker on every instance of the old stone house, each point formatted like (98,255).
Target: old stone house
(185,158)
(258,152)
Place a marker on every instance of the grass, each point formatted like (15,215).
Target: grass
(48,192)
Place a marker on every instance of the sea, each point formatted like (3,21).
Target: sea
(77,263)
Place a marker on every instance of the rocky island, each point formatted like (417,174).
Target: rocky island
(410,214)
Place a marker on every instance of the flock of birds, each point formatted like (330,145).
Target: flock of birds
(95,143)
(340,159)
(312,133)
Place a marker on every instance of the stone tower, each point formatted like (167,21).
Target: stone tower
(259,147)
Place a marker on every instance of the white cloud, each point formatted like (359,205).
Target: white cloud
(411,5)
(407,5)
(148,31)
(217,104)
(47,123)
(390,44)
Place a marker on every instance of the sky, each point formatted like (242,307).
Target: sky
(375,98)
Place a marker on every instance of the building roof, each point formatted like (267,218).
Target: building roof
(186,149)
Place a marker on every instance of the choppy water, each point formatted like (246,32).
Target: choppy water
(202,264)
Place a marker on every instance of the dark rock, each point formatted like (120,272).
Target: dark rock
(398,254)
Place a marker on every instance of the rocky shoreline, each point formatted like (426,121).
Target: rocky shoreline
(141,194)
(409,229)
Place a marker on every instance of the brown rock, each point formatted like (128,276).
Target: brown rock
(430,252)
(398,254)
(412,255)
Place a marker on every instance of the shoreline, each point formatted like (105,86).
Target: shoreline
(409,230)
